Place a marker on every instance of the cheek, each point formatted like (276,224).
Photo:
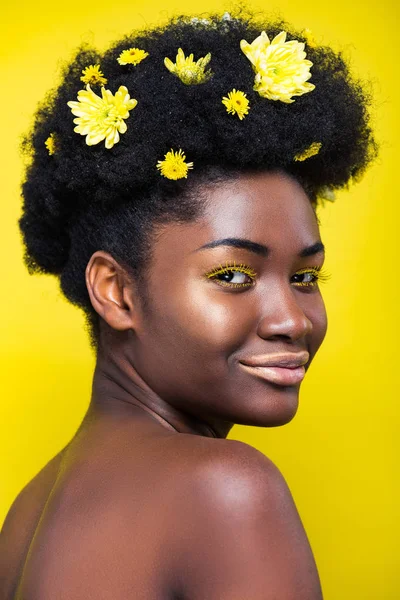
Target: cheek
(200,321)
(213,317)
(185,346)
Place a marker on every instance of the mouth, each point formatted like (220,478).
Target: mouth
(278,375)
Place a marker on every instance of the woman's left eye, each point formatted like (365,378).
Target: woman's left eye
(311,276)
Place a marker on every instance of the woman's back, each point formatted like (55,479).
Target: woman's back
(106,495)
(119,512)
(20,525)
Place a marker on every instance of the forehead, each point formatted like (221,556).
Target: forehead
(267,208)
(261,207)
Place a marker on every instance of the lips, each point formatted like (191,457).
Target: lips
(287,361)
(278,375)
(287,369)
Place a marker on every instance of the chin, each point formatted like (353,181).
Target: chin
(272,410)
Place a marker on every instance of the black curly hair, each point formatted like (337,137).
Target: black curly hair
(86,198)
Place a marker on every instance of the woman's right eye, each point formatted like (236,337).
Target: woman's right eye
(233,275)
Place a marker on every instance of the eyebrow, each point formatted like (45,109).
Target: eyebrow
(260,248)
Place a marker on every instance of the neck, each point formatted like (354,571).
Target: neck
(118,387)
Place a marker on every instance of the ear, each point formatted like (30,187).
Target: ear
(110,290)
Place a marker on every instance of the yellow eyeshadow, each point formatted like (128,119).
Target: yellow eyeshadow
(242,268)
(320,274)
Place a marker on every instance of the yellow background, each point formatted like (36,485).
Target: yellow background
(339,453)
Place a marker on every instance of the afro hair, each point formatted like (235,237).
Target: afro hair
(84,198)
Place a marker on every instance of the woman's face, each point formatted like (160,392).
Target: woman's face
(201,324)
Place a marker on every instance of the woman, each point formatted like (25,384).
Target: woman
(173,190)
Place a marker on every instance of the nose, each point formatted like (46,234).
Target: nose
(283,315)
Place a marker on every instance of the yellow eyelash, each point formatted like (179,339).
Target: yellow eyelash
(318,272)
(242,268)
(321,274)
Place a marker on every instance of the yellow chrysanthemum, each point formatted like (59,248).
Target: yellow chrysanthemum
(102,118)
(174,166)
(281,68)
(310,151)
(92,75)
(236,102)
(133,56)
(327,193)
(311,41)
(51,144)
(188,70)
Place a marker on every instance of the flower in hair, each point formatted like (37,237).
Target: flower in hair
(133,56)
(197,21)
(174,166)
(51,144)
(308,152)
(93,75)
(236,102)
(281,67)
(188,70)
(327,193)
(103,117)
(311,41)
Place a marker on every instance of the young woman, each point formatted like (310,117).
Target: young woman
(173,189)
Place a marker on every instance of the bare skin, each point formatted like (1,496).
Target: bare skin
(149,500)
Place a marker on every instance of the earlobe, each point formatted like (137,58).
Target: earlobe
(106,283)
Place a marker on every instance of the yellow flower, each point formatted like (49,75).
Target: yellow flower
(328,193)
(133,56)
(189,71)
(174,166)
(311,41)
(51,144)
(93,75)
(281,68)
(310,151)
(236,102)
(102,118)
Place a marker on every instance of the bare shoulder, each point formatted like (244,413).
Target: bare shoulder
(221,465)
(28,504)
(238,459)
(242,536)
(21,521)
(215,467)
